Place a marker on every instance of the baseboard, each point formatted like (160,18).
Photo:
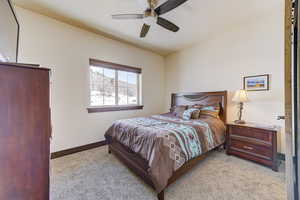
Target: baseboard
(66,152)
(62,153)
(281,156)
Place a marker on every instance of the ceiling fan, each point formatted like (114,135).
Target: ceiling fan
(152,15)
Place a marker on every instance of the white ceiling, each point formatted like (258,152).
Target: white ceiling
(198,19)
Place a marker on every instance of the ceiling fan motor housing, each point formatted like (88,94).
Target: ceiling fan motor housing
(150,13)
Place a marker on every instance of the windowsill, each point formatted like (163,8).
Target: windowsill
(114,108)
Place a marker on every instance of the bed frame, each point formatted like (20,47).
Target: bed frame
(139,166)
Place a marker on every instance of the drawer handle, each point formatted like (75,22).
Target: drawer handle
(248,148)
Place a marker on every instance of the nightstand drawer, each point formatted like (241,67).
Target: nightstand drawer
(252,133)
(253,149)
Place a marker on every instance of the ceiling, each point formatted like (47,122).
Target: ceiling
(198,19)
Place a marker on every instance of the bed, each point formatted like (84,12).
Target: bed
(162,148)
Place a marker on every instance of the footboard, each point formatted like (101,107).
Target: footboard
(140,167)
(136,164)
(132,161)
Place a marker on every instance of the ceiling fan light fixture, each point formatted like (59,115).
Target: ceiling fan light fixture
(150,20)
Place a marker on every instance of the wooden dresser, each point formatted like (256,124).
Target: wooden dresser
(253,142)
(24,132)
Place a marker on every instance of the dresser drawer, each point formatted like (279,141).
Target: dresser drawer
(259,134)
(253,149)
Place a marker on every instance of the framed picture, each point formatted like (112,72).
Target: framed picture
(257,83)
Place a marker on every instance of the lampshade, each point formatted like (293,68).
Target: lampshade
(240,96)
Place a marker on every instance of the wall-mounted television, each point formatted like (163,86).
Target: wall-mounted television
(9,32)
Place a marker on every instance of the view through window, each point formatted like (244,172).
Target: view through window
(113,85)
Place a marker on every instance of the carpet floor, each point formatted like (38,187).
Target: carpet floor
(97,175)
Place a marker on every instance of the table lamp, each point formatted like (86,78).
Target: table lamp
(240,97)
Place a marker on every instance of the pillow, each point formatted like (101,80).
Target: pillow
(178,110)
(191,113)
(213,111)
(198,106)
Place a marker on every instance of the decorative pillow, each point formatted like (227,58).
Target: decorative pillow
(213,111)
(191,113)
(198,106)
(178,110)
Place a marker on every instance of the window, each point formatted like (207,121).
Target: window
(114,87)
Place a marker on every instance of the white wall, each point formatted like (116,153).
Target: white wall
(66,50)
(253,48)
(8,34)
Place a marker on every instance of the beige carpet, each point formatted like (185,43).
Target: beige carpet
(96,175)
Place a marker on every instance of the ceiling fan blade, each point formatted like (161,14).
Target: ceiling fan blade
(128,16)
(167,24)
(145,30)
(168,6)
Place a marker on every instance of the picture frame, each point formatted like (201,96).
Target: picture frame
(257,83)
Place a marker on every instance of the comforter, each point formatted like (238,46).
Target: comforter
(167,142)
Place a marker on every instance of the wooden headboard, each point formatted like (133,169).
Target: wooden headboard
(202,98)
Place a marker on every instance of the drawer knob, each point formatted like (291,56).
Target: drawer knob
(248,148)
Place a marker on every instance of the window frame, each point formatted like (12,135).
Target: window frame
(117,68)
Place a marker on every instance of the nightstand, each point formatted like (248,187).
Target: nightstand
(253,142)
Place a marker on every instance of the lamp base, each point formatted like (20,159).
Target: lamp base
(239,122)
